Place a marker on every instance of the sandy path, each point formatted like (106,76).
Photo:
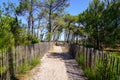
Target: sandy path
(57,65)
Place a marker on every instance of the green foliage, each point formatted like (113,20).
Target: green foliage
(114,54)
(90,74)
(11,32)
(101,20)
(2,69)
(103,70)
(34,62)
(75,42)
(80,59)
(106,69)
(35,41)
(6,36)
(88,45)
(48,36)
(26,67)
(70,18)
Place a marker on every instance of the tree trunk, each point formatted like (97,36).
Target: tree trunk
(29,27)
(49,26)
(68,31)
(50,13)
(38,29)
(31,15)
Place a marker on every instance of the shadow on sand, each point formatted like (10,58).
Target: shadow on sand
(73,70)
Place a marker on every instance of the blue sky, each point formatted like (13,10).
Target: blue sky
(76,6)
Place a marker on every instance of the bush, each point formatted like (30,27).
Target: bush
(88,45)
(76,42)
(23,68)
(90,74)
(104,69)
(2,69)
(34,62)
(80,59)
(26,67)
(35,41)
(48,36)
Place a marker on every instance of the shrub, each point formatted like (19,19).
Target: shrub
(76,42)
(104,68)
(80,59)
(34,62)
(35,41)
(2,69)
(89,73)
(48,36)
(24,67)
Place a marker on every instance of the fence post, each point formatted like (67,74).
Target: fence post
(86,58)
(118,68)
(11,67)
(90,58)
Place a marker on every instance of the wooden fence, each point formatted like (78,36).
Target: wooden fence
(20,55)
(104,65)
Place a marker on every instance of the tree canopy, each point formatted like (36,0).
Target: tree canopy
(46,20)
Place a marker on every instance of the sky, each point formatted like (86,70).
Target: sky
(76,6)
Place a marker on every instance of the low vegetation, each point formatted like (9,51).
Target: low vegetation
(25,67)
(104,69)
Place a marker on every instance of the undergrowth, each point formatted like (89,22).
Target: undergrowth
(104,69)
(26,67)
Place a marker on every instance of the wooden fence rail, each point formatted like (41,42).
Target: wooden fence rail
(99,62)
(20,55)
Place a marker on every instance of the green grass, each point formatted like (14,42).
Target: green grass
(26,67)
(103,69)
(114,54)
(34,62)
(89,74)
(80,59)
(2,69)
(23,68)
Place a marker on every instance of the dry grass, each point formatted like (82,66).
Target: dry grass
(25,76)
